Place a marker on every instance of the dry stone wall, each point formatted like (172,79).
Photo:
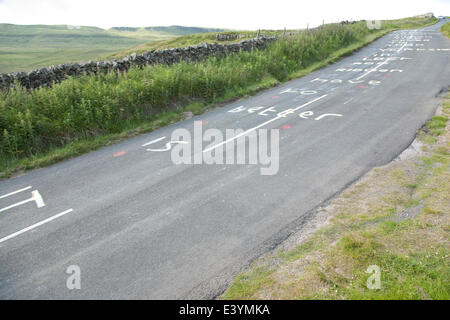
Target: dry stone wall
(47,76)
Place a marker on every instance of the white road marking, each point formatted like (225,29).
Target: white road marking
(406,43)
(241,134)
(306,114)
(153,141)
(35,196)
(261,125)
(374,69)
(300,91)
(14,192)
(348,100)
(15,234)
(38,199)
(308,103)
(328,115)
(168,146)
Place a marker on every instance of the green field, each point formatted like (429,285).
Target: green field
(23,48)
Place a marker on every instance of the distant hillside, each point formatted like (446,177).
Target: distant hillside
(182,31)
(26,47)
(171,30)
(131,29)
(150,34)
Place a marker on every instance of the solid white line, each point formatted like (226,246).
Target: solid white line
(261,125)
(241,134)
(14,192)
(153,141)
(308,103)
(16,204)
(15,234)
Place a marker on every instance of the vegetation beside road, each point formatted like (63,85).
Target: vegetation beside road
(84,113)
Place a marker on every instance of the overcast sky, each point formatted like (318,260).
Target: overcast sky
(232,14)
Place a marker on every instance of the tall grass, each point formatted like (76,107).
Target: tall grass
(77,109)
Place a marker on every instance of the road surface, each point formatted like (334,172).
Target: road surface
(136,225)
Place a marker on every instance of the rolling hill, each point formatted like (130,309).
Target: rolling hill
(26,47)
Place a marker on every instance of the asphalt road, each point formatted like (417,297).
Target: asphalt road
(139,226)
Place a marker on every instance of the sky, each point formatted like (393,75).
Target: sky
(229,14)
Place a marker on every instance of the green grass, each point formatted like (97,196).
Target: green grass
(81,146)
(437,124)
(23,48)
(246,284)
(34,125)
(419,275)
(445,29)
(409,23)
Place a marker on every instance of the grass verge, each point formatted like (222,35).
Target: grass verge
(445,29)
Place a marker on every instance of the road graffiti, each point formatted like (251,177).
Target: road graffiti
(167,147)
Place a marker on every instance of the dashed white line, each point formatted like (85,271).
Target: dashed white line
(15,234)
